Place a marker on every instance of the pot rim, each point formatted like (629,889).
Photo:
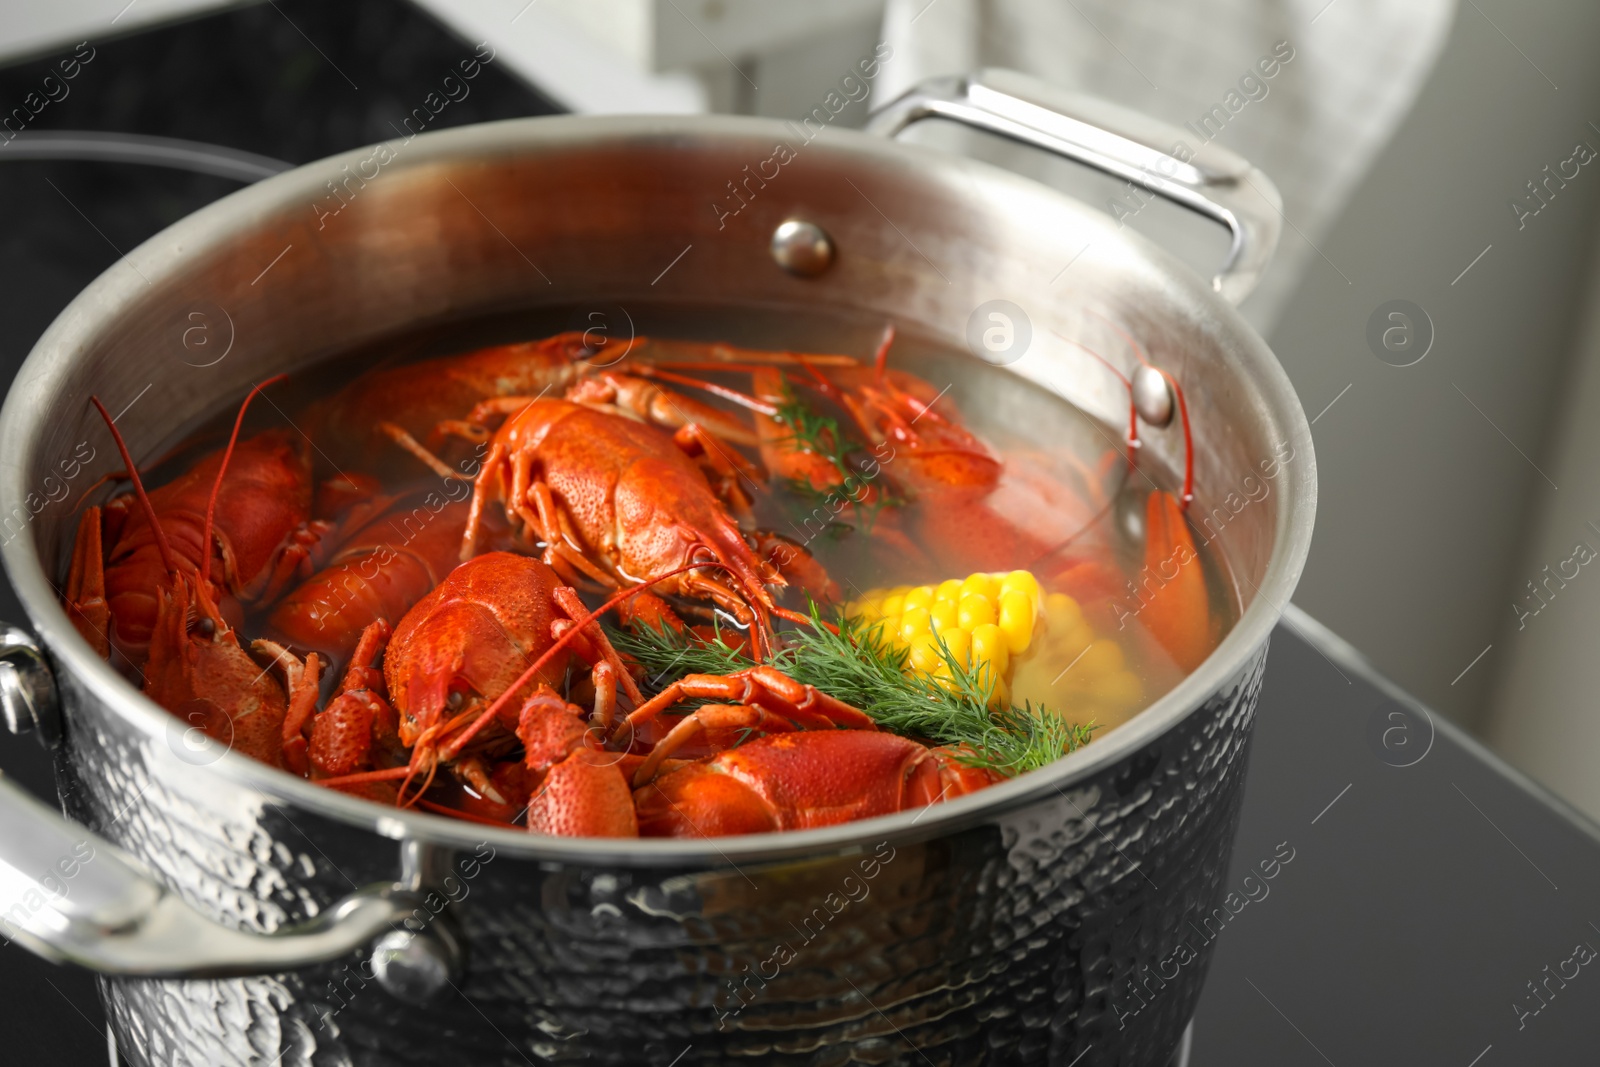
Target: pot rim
(114,291)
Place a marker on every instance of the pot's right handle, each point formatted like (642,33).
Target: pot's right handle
(1212,181)
(71,896)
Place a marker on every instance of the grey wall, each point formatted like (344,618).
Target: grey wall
(1425,500)
(1544,713)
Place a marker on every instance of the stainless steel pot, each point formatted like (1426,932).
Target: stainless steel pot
(234,908)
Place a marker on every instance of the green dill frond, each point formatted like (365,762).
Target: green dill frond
(667,655)
(810,430)
(857,666)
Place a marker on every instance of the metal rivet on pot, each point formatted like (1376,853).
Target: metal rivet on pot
(802,248)
(1152,397)
(27,688)
(418,968)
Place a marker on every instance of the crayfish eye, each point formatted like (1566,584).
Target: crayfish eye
(205,626)
(454,700)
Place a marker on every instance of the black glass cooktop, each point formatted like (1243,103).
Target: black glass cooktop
(1397,895)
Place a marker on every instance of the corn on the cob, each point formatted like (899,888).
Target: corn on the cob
(1036,647)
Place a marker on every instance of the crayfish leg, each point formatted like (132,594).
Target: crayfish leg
(943,776)
(86,585)
(357,729)
(300,683)
(341,736)
(647,609)
(585,795)
(798,567)
(581,790)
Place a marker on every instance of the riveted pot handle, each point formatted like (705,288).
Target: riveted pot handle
(71,896)
(1123,143)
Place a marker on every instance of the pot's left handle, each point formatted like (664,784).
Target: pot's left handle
(71,896)
(1126,144)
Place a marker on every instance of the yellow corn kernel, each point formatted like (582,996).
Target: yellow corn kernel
(925,653)
(1063,613)
(1073,641)
(985,622)
(990,645)
(975,611)
(982,585)
(914,623)
(1100,659)
(1016,618)
(1022,582)
(960,645)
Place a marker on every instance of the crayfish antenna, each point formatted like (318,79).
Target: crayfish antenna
(880,358)
(1127,383)
(388,774)
(1188,439)
(222,470)
(744,400)
(400,436)
(401,800)
(1177,391)
(167,558)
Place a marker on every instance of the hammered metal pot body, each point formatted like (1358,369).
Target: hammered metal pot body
(1012,941)
(1020,925)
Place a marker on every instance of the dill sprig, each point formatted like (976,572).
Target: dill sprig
(667,655)
(857,666)
(812,431)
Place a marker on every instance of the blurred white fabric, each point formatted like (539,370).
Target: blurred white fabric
(1315,126)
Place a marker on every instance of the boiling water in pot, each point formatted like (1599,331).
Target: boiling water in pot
(983,536)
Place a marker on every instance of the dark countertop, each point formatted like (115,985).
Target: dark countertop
(1419,885)
(1430,884)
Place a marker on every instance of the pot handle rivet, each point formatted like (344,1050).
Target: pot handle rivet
(421,967)
(802,248)
(1152,397)
(27,688)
